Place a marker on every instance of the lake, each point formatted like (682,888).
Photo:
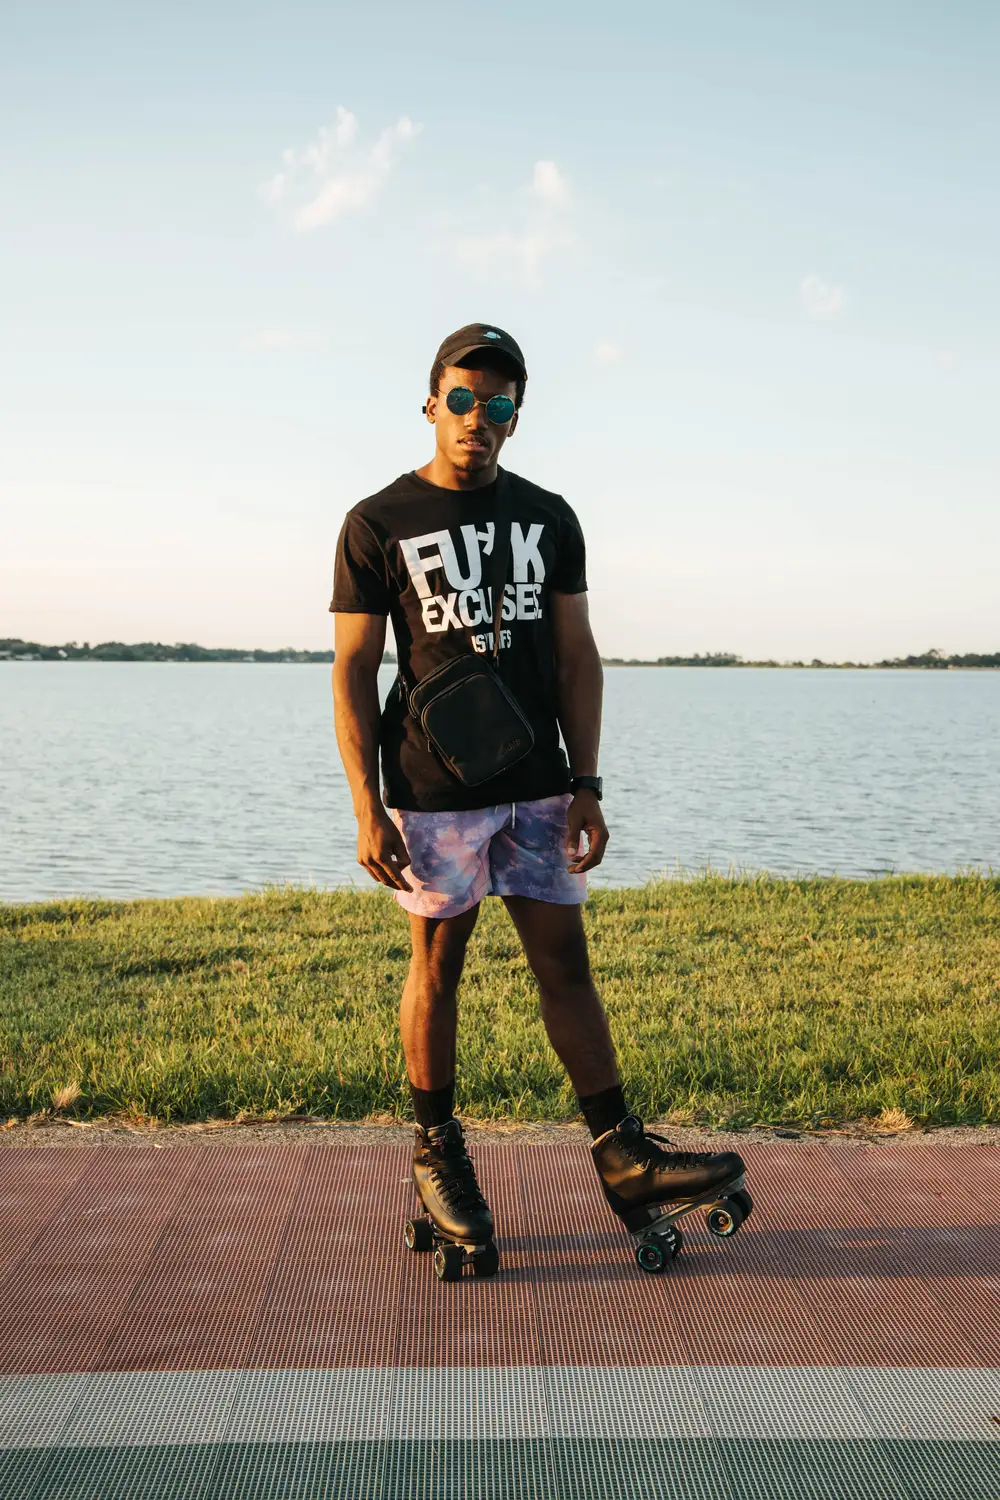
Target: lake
(131,779)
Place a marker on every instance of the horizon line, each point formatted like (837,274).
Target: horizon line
(14,648)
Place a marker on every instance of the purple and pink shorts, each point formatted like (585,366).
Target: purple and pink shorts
(515,849)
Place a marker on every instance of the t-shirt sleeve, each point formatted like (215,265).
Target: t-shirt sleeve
(569,576)
(360,576)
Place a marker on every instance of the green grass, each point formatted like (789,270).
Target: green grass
(732,1001)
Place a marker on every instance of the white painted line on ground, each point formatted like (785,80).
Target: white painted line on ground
(541,1402)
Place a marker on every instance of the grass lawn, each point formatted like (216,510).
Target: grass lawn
(732,1001)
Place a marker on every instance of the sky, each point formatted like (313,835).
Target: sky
(750,252)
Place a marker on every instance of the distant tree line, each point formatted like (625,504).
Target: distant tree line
(18,650)
(150,651)
(928,659)
(938,659)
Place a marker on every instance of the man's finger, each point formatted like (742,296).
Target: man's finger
(598,840)
(573,837)
(396,859)
(383,873)
(578,852)
(400,855)
(390,876)
(374,869)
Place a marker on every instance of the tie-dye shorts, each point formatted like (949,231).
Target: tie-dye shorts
(516,849)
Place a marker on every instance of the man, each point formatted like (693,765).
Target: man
(418,553)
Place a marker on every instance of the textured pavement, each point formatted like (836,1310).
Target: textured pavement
(245,1321)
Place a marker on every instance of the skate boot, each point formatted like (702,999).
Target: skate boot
(650,1189)
(457,1224)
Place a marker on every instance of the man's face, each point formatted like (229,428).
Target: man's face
(471,442)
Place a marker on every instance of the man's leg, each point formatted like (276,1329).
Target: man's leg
(443,1175)
(638,1176)
(428,1012)
(448,874)
(555,945)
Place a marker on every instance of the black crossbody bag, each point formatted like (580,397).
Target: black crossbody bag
(467,714)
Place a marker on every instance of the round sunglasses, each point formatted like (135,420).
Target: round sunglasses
(460,400)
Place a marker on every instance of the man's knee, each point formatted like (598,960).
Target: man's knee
(563,967)
(438,953)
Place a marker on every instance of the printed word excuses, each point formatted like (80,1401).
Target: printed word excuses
(467,601)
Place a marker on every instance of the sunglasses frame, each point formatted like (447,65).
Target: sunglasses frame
(478,401)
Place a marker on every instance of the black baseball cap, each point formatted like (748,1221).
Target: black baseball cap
(475,336)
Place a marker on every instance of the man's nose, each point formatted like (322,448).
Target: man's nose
(476,418)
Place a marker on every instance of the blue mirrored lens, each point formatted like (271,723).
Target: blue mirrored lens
(460,400)
(499,409)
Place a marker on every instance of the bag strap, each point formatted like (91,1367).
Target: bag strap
(499,560)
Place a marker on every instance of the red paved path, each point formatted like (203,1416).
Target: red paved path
(290,1256)
(243,1322)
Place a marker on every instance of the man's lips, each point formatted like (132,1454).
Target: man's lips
(478,445)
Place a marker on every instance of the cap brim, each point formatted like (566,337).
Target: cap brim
(456,355)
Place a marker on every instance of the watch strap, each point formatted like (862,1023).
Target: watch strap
(587,784)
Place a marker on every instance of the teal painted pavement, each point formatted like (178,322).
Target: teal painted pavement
(594,1469)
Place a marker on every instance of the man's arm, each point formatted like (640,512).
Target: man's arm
(579,692)
(359,642)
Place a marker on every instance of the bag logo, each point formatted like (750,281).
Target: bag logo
(510,745)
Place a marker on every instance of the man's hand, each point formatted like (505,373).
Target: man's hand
(584,816)
(381,850)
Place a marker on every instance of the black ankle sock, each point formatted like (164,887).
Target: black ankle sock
(603,1111)
(433,1106)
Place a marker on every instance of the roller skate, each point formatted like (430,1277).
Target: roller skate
(650,1189)
(456,1223)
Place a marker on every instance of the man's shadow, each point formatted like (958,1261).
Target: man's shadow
(926,1252)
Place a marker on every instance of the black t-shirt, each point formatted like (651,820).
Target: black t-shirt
(422,555)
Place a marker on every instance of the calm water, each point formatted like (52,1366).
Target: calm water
(156,780)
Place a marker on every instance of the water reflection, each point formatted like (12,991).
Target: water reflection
(145,779)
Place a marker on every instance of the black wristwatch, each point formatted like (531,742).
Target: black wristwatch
(588,784)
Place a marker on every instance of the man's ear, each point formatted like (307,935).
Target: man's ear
(430,408)
(513,424)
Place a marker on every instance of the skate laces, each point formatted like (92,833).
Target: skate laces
(454,1176)
(655,1156)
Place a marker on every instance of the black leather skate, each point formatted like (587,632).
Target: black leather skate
(650,1189)
(458,1225)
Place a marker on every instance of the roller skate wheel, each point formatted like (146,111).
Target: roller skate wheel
(652,1257)
(724,1219)
(487,1262)
(448,1262)
(745,1202)
(418,1234)
(655,1253)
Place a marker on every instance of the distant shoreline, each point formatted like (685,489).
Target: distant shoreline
(14,650)
(817,666)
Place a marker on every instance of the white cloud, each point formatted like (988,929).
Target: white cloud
(540,231)
(606,352)
(549,184)
(821,299)
(271,339)
(334,174)
(518,257)
(946,359)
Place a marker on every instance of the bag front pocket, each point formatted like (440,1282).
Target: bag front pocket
(471,720)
